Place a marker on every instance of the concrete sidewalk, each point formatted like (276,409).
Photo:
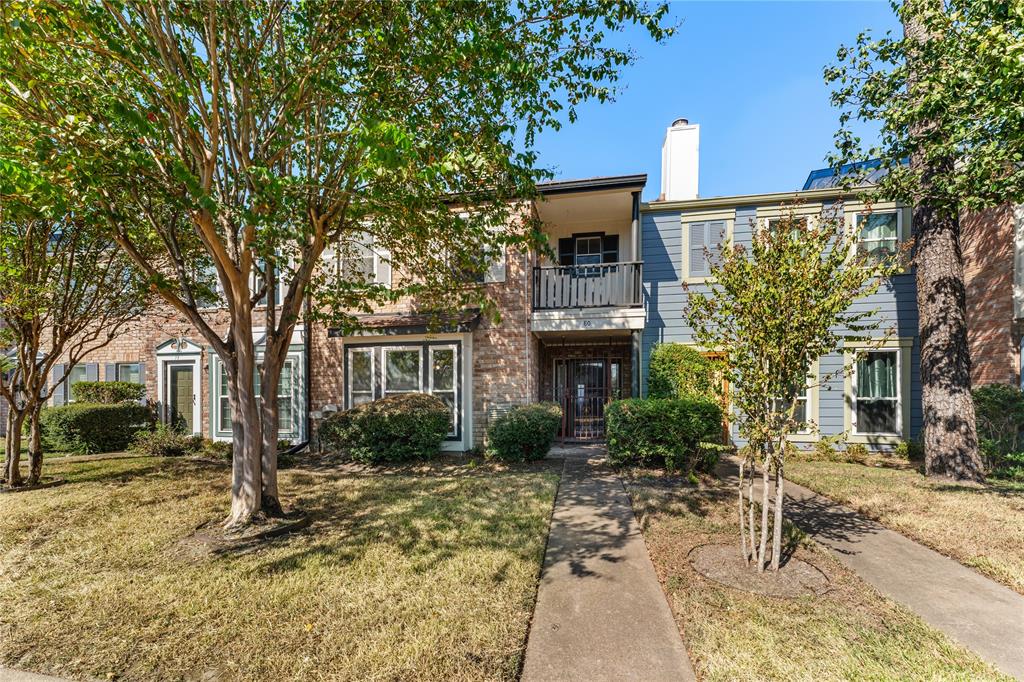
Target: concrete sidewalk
(11,675)
(601,614)
(977,612)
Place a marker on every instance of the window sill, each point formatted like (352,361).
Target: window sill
(876,438)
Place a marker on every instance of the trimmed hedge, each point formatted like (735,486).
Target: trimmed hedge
(109,392)
(664,432)
(397,428)
(163,441)
(88,428)
(525,433)
(678,371)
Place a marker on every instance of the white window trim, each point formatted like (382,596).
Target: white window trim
(295,431)
(384,369)
(455,381)
(373,374)
(810,434)
(764,223)
(899,225)
(376,255)
(687,220)
(902,347)
(119,365)
(68,394)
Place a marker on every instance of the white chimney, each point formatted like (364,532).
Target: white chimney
(680,156)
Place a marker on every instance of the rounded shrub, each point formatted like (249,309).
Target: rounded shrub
(679,371)
(999,409)
(525,432)
(663,432)
(397,428)
(163,441)
(88,428)
(109,392)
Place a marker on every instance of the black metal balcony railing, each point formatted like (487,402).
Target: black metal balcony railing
(587,286)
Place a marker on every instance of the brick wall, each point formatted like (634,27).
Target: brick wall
(987,242)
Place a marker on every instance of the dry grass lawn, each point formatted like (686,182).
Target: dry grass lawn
(981,527)
(850,632)
(411,574)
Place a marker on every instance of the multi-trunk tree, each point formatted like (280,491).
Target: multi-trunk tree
(947,95)
(252,138)
(769,312)
(67,290)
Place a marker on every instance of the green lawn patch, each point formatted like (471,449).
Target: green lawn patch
(979,526)
(419,573)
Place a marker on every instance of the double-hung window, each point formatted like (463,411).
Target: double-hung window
(878,233)
(78,373)
(361,376)
(442,380)
(130,372)
(359,261)
(402,370)
(285,398)
(877,394)
(796,224)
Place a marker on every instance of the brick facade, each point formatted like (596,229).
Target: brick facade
(993,334)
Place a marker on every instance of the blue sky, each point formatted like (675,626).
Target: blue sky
(750,73)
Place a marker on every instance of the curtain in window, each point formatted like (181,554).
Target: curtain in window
(876,375)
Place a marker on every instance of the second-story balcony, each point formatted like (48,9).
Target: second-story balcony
(562,287)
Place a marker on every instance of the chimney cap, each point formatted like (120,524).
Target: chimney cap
(680,122)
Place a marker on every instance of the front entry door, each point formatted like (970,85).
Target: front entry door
(180,398)
(582,387)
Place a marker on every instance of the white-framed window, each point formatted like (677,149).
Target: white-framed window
(402,370)
(802,411)
(78,373)
(797,223)
(879,233)
(360,376)
(443,380)
(286,397)
(375,371)
(877,393)
(130,372)
(589,250)
(359,260)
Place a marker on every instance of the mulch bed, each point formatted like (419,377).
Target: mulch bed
(724,565)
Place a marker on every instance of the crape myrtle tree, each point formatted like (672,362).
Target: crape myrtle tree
(254,137)
(947,95)
(770,311)
(65,288)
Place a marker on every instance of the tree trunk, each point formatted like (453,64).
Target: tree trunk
(751,528)
(245,432)
(743,528)
(35,447)
(12,460)
(777,527)
(271,503)
(762,545)
(950,436)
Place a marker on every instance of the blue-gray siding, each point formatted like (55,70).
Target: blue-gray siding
(665,301)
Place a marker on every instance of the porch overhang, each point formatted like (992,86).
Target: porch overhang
(576,320)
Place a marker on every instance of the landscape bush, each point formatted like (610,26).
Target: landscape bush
(164,441)
(525,432)
(910,450)
(999,410)
(679,371)
(397,428)
(109,392)
(856,452)
(662,432)
(87,428)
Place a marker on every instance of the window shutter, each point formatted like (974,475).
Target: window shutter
(697,262)
(57,381)
(496,268)
(110,372)
(610,248)
(92,371)
(566,251)
(716,238)
(383,273)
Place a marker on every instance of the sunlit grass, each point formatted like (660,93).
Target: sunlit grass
(981,527)
(849,633)
(414,574)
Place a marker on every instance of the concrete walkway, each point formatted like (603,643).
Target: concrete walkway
(601,614)
(977,612)
(11,675)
